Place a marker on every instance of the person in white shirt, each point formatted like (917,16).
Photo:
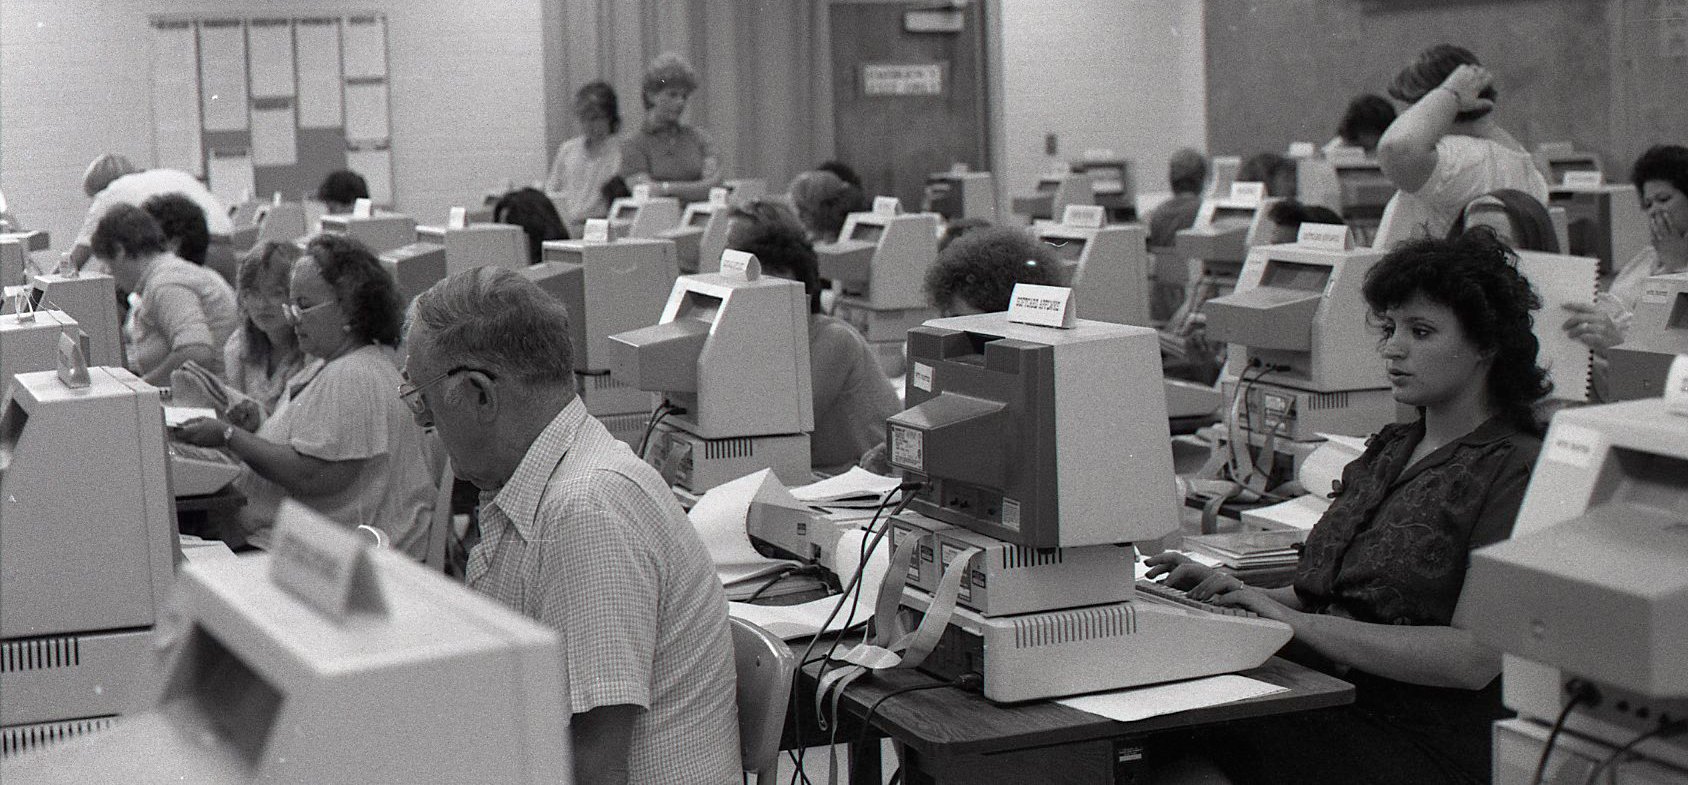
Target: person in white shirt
(1446,148)
(113,179)
(584,163)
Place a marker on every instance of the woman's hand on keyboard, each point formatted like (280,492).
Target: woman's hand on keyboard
(1236,594)
(246,415)
(201,432)
(1181,572)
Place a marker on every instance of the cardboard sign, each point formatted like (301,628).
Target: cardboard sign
(73,364)
(1100,154)
(642,192)
(459,218)
(959,168)
(1302,150)
(921,377)
(887,206)
(363,208)
(1583,179)
(1088,216)
(718,197)
(1248,193)
(597,230)
(1328,237)
(323,564)
(740,264)
(1044,306)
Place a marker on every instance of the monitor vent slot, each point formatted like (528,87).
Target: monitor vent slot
(1015,557)
(717,449)
(1083,624)
(1335,400)
(26,738)
(34,654)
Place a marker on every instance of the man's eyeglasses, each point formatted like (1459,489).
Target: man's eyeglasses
(408,392)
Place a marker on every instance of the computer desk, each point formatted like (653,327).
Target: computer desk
(950,735)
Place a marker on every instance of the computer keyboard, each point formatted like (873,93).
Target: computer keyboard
(1161,591)
(197,471)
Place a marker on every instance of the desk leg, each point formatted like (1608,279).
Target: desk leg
(865,765)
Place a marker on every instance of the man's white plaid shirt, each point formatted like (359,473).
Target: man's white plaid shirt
(587,539)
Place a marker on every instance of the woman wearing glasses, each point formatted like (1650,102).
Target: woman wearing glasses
(339,441)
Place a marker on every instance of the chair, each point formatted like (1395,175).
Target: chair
(765,666)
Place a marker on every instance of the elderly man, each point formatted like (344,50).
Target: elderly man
(577,533)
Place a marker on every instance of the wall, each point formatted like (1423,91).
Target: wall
(1588,72)
(467,87)
(1125,75)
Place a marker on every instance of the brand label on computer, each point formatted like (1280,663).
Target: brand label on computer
(1302,150)
(1248,193)
(921,377)
(886,205)
(1044,306)
(1346,154)
(1010,513)
(323,564)
(642,192)
(739,264)
(1653,295)
(1572,445)
(1583,179)
(1088,216)
(363,208)
(1676,386)
(718,197)
(597,230)
(458,218)
(908,448)
(1326,237)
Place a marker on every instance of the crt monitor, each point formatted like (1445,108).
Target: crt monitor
(1008,425)
(333,661)
(1604,222)
(1658,332)
(382,232)
(1107,268)
(479,245)
(415,267)
(881,260)
(608,288)
(1363,190)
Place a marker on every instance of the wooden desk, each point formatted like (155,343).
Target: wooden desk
(952,735)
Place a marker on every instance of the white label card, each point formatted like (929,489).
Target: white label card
(908,448)
(1100,154)
(1583,179)
(642,192)
(1329,237)
(886,205)
(1676,386)
(459,218)
(1089,216)
(323,564)
(1248,193)
(959,168)
(1572,445)
(921,377)
(363,208)
(740,265)
(275,198)
(597,230)
(1653,295)
(1044,306)
(718,197)
(1302,150)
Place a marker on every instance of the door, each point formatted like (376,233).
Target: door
(909,93)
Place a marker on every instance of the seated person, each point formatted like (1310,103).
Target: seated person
(1380,578)
(823,202)
(844,172)
(586,162)
(1363,123)
(112,179)
(1187,174)
(1288,215)
(181,311)
(955,229)
(187,235)
(264,353)
(578,534)
(340,190)
(1276,171)
(673,158)
(1526,225)
(852,396)
(532,210)
(977,272)
(339,441)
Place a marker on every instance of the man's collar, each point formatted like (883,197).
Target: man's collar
(519,498)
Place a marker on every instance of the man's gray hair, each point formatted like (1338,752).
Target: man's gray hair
(493,319)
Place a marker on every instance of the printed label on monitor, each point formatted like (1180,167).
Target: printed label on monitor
(1573,445)
(1248,193)
(1346,154)
(1328,237)
(718,197)
(642,192)
(908,448)
(1582,179)
(1654,295)
(886,205)
(1010,513)
(1044,306)
(922,377)
(959,168)
(363,208)
(597,230)
(1302,150)
(1089,216)
(458,218)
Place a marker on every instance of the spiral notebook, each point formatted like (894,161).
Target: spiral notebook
(1561,279)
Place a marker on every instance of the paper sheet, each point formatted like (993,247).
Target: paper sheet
(275,140)
(1300,512)
(1325,464)
(366,47)
(1559,280)
(857,482)
(175,99)
(231,175)
(319,73)
(271,54)
(719,517)
(804,620)
(366,112)
(376,166)
(222,73)
(1144,702)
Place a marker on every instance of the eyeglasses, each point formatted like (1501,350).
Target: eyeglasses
(408,392)
(295,314)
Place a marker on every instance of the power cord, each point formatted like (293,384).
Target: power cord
(1581,692)
(662,411)
(1662,730)
(966,681)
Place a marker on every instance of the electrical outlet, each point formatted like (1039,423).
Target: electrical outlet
(1051,144)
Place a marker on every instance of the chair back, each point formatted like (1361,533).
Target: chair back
(765,666)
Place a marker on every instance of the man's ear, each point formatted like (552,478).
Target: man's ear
(482,394)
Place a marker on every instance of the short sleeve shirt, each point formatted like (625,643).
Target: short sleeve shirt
(180,304)
(252,376)
(852,396)
(1466,167)
(578,175)
(348,409)
(586,539)
(1394,545)
(136,188)
(669,153)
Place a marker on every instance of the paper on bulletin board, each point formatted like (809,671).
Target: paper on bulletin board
(231,175)
(275,138)
(376,166)
(366,111)
(175,98)
(366,47)
(318,41)
(1560,280)
(271,54)
(222,75)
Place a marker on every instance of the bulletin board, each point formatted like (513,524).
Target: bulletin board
(266,105)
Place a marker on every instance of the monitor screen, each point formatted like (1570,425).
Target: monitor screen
(1067,249)
(1233,216)
(1295,275)
(625,212)
(867,232)
(699,218)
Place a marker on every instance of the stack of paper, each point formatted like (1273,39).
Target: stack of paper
(1250,550)
(857,487)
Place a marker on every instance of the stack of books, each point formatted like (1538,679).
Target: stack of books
(1250,550)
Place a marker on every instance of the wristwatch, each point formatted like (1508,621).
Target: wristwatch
(228,433)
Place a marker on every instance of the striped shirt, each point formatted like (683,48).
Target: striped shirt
(586,538)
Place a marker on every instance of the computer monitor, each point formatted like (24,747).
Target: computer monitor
(1658,333)
(1593,584)
(268,682)
(87,547)
(1363,192)
(1557,159)
(881,261)
(700,237)
(1222,174)
(29,341)
(1603,221)
(745,189)
(415,267)
(730,357)
(643,218)
(1053,194)
(1221,234)
(14,261)
(382,232)
(1107,267)
(478,245)
(961,195)
(89,298)
(608,288)
(283,222)
(1008,423)
(1110,181)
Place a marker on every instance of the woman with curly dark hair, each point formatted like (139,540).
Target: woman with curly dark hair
(977,271)
(1376,592)
(340,440)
